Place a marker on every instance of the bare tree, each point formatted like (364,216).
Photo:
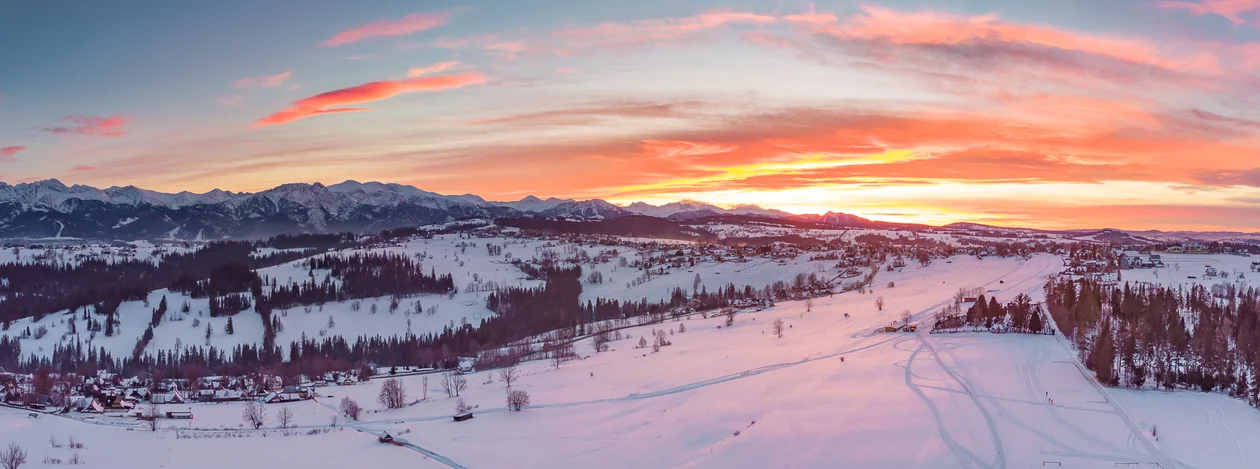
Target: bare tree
(151,416)
(460,383)
(13,457)
(561,353)
(730,317)
(350,408)
(600,341)
(285,416)
(448,383)
(254,414)
(508,375)
(879,303)
(517,400)
(809,305)
(393,395)
(424,388)
(461,407)
(778,327)
(905,318)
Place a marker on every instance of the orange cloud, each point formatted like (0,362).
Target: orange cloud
(412,23)
(431,69)
(1232,10)
(82,167)
(8,153)
(683,148)
(264,81)
(330,102)
(111,126)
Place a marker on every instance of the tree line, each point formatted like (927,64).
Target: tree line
(1204,338)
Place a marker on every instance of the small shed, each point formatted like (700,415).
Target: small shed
(463,416)
(385,437)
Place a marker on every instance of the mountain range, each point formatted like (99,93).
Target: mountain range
(49,208)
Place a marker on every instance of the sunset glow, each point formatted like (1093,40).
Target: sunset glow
(1135,114)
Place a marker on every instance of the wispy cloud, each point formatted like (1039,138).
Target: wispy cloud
(988,32)
(329,102)
(1232,10)
(231,100)
(409,24)
(79,168)
(7,154)
(431,69)
(264,81)
(590,113)
(111,126)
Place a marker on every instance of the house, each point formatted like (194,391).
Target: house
(169,397)
(224,395)
(89,405)
(117,402)
(276,397)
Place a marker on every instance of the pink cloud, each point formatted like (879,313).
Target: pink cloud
(671,29)
(232,100)
(8,153)
(332,101)
(111,126)
(412,23)
(566,70)
(929,28)
(568,41)
(667,28)
(1232,10)
(81,168)
(264,81)
(431,69)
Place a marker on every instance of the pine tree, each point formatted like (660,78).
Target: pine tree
(109,325)
(1034,324)
(1102,357)
(229,330)
(995,310)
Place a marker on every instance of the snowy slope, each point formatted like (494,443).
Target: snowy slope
(833,392)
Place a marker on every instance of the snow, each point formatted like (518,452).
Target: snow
(1199,429)
(1179,267)
(110,447)
(833,392)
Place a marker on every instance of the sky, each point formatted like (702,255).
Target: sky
(1133,114)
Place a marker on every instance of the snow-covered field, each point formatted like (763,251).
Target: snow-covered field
(63,252)
(109,447)
(475,272)
(1190,269)
(832,392)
